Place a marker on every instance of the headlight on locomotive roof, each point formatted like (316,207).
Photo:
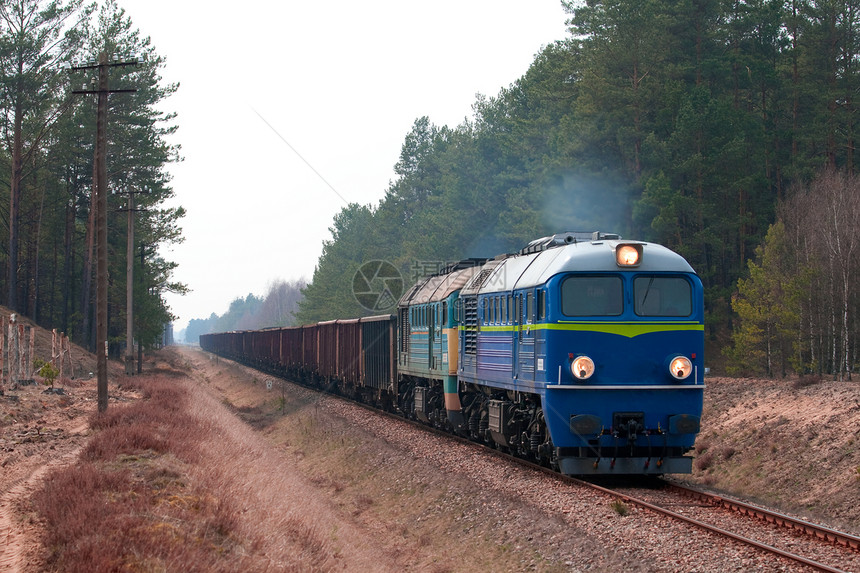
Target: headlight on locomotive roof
(680,367)
(628,255)
(582,367)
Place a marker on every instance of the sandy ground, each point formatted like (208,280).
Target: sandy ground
(786,444)
(792,446)
(40,430)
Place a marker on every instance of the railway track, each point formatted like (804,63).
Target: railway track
(821,542)
(815,534)
(819,531)
(812,546)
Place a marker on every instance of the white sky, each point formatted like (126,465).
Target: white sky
(342,82)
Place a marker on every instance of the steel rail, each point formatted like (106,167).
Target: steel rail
(744,508)
(713,529)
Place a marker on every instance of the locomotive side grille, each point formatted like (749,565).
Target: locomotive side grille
(470,322)
(404,330)
(376,348)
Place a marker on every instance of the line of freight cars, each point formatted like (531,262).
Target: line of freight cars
(583,352)
(356,357)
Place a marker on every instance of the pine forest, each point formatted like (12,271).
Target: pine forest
(722,129)
(47,53)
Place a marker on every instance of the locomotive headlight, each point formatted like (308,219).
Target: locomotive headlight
(680,367)
(628,255)
(582,367)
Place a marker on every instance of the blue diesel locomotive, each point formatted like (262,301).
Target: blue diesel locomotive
(582,351)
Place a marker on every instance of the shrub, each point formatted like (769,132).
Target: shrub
(620,507)
(705,461)
(147,515)
(46,370)
(807,380)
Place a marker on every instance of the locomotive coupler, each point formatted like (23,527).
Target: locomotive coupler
(633,429)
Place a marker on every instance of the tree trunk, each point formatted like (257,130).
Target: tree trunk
(86,283)
(68,264)
(14,209)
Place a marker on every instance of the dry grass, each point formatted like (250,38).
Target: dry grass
(174,482)
(129,503)
(408,501)
(429,519)
(619,507)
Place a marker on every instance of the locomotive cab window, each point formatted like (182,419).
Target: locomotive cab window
(541,305)
(662,296)
(592,296)
(530,308)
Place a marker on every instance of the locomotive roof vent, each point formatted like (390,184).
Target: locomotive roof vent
(481,278)
(598,236)
(460,265)
(561,239)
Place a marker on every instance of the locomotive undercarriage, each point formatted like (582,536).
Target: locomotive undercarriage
(627,447)
(510,421)
(514,422)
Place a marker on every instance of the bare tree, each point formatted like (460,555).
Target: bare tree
(826,227)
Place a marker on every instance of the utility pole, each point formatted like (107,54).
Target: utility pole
(139,346)
(129,289)
(101,182)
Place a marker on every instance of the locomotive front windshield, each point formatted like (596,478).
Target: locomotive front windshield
(654,295)
(592,296)
(662,296)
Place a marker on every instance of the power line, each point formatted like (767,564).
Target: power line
(299,155)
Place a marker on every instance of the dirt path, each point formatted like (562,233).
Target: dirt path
(17,539)
(287,517)
(41,432)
